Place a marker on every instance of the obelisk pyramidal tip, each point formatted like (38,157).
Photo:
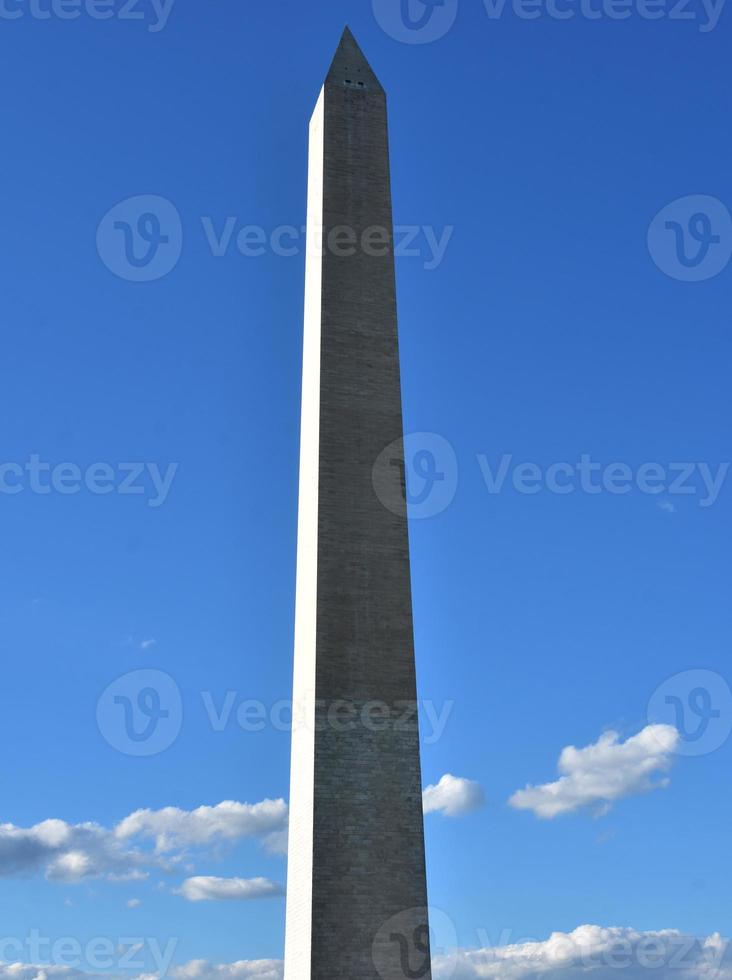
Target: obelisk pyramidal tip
(350,65)
(356,888)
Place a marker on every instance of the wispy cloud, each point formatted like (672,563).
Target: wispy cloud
(146,840)
(140,644)
(240,970)
(173,828)
(453,796)
(193,970)
(207,889)
(604,954)
(69,852)
(30,971)
(599,774)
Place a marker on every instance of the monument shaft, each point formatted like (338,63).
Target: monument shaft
(356,901)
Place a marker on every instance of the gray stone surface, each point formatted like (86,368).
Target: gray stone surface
(367,885)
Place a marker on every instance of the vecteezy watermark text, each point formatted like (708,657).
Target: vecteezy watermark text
(418,476)
(140,239)
(340,715)
(707,12)
(99,953)
(253,241)
(401,947)
(425,21)
(154,13)
(141,713)
(591,477)
(40,477)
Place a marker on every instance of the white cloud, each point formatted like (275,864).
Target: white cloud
(146,643)
(597,952)
(68,852)
(206,889)
(28,971)
(601,773)
(133,903)
(453,796)
(228,821)
(241,970)
(76,852)
(276,842)
(590,951)
(193,970)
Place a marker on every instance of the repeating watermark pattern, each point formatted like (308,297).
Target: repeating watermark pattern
(593,950)
(698,703)
(415,21)
(141,713)
(690,239)
(401,949)
(140,239)
(154,14)
(405,945)
(705,12)
(423,242)
(425,21)
(99,953)
(592,477)
(38,476)
(340,715)
(419,476)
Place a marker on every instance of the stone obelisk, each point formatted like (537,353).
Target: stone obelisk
(356,892)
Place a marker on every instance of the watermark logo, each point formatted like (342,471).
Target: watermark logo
(141,238)
(416,476)
(699,704)
(415,21)
(423,21)
(691,238)
(405,945)
(141,713)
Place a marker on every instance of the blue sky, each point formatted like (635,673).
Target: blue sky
(559,323)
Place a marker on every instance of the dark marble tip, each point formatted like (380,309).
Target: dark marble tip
(350,67)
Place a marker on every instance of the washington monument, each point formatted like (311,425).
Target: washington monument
(356,891)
